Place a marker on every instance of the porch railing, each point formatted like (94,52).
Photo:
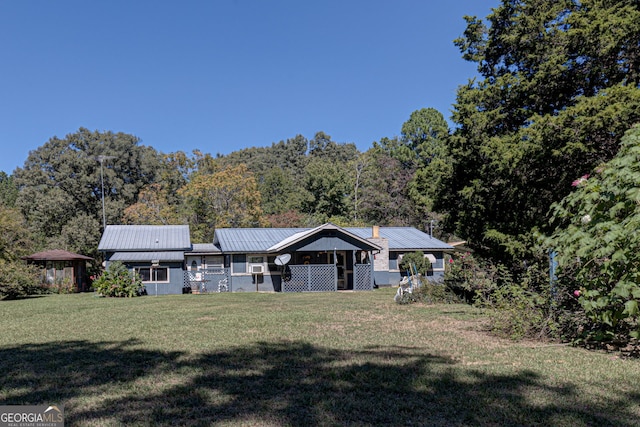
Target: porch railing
(363,277)
(311,278)
(323,278)
(206,281)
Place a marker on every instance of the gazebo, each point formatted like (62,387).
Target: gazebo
(62,268)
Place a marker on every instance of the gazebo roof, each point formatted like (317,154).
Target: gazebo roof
(56,255)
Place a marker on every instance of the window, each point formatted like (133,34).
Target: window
(153,274)
(214,262)
(239,263)
(394,261)
(256,260)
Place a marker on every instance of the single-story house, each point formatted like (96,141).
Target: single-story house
(62,269)
(155,252)
(324,258)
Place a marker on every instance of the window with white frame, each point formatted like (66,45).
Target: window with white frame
(153,274)
(256,264)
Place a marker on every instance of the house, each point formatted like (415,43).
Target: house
(324,258)
(62,268)
(155,252)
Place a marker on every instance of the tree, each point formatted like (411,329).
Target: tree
(423,139)
(383,197)
(8,190)
(61,180)
(359,165)
(227,198)
(280,193)
(153,207)
(424,147)
(598,244)
(81,234)
(558,87)
(322,146)
(16,278)
(329,187)
(15,239)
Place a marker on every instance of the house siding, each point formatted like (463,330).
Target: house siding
(169,246)
(176,279)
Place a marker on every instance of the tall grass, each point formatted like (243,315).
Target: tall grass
(297,359)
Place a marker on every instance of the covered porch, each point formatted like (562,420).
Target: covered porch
(326,258)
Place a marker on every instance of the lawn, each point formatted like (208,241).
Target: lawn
(297,359)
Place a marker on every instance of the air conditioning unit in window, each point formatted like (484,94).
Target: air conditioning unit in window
(257,269)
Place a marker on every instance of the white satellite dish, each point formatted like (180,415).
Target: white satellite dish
(283,259)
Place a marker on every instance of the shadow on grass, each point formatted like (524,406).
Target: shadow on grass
(285,383)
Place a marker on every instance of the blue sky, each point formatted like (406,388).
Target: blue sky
(221,75)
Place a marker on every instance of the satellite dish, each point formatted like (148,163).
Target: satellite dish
(283,259)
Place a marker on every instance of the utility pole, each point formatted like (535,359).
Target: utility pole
(101,158)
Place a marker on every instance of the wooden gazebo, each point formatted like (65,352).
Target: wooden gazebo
(62,268)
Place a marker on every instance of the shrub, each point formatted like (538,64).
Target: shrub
(117,281)
(524,308)
(518,307)
(18,280)
(598,245)
(429,292)
(470,278)
(65,286)
(417,260)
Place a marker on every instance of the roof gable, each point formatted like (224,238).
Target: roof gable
(324,237)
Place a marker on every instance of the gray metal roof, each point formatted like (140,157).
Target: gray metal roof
(262,240)
(404,238)
(247,240)
(329,242)
(145,238)
(204,248)
(166,256)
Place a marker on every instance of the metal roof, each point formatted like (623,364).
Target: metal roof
(331,241)
(165,256)
(204,248)
(246,240)
(56,255)
(404,238)
(262,240)
(145,237)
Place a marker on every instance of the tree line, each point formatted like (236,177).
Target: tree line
(59,196)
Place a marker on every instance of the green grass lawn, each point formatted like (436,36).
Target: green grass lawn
(297,359)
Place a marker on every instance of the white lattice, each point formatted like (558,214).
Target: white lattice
(208,282)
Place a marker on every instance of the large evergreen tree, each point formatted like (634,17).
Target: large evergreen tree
(558,87)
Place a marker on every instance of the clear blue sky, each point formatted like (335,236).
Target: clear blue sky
(221,75)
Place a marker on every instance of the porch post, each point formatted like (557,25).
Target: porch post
(372,279)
